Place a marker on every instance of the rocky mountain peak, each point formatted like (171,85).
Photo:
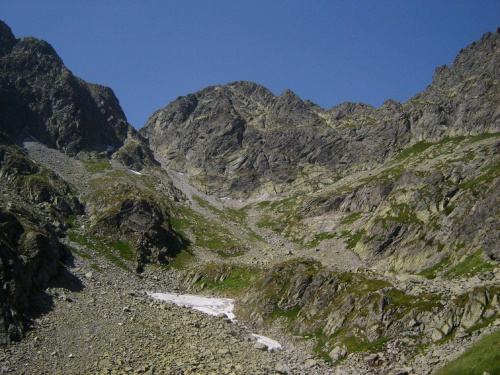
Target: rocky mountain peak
(7,39)
(479,58)
(463,98)
(289,101)
(287,93)
(350,109)
(33,48)
(44,100)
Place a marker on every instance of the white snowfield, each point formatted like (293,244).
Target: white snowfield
(210,306)
(270,343)
(135,172)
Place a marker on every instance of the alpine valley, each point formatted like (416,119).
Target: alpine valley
(365,240)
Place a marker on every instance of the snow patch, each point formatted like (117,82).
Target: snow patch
(270,343)
(207,305)
(135,172)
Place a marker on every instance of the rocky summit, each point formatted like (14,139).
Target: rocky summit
(364,240)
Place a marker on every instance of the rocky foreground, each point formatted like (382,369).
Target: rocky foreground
(99,320)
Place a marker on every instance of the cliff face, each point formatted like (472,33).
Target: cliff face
(41,98)
(235,139)
(463,98)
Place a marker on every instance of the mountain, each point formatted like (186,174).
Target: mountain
(241,140)
(43,99)
(71,132)
(365,239)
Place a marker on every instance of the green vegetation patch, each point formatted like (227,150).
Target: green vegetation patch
(182,260)
(386,176)
(449,209)
(71,221)
(78,252)
(431,273)
(320,238)
(402,213)
(229,280)
(124,250)
(208,233)
(355,344)
(266,221)
(372,285)
(263,204)
(39,177)
(97,166)
(230,252)
(479,359)
(99,246)
(351,218)
(289,314)
(227,213)
(470,266)
(416,149)
(96,267)
(489,173)
(352,238)
(482,136)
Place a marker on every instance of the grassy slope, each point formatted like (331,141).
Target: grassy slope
(483,357)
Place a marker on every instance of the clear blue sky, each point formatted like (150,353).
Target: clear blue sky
(151,52)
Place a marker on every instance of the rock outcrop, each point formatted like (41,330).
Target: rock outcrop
(356,313)
(33,207)
(145,225)
(42,99)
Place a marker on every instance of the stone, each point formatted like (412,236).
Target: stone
(439,353)
(414,279)
(260,346)
(338,353)
(223,351)
(490,313)
(436,335)
(412,323)
(371,358)
(281,368)
(105,363)
(474,309)
(310,363)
